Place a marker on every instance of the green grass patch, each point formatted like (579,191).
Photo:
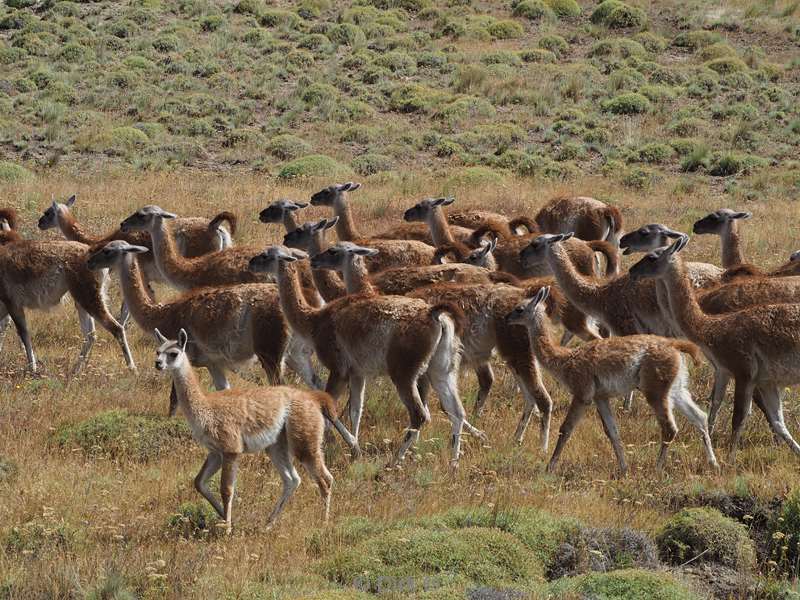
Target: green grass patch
(706,535)
(629,584)
(118,434)
(195,520)
(11,173)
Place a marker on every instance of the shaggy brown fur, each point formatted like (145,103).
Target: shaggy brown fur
(228,325)
(10,216)
(285,422)
(8,226)
(37,275)
(588,218)
(598,370)
(472,219)
(751,291)
(758,346)
(361,336)
(393,252)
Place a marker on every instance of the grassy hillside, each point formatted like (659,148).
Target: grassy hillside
(542,88)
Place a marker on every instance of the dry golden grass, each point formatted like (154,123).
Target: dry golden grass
(119,509)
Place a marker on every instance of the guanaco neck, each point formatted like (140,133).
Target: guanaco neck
(440,230)
(168,259)
(329,284)
(145,312)
(356,277)
(297,311)
(580,290)
(345,226)
(191,399)
(71,229)
(685,310)
(550,355)
(731,246)
(289,222)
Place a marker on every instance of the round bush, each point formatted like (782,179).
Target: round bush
(555,43)
(537,55)
(630,584)
(693,40)
(706,535)
(369,164)
(314,165)
(532,10)
(627,104)
(505,30)
(288,147)
(564,8)
(618,15)
(725,66)
(11,173)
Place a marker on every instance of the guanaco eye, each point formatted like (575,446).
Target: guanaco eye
(173,354)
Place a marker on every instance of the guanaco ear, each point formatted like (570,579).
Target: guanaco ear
(678,245)
(795,256)
(331,222)
(741,215)
(137,249)
(296,205)
(54,206)
(167,215)
(564,236)
(71,200)
(183,339)
(295,254)
(491,245)
(347,187)
(160,338)
(444,201)
(541,295)
(362,251)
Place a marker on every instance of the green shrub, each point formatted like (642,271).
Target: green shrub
(698,157)
(564,8)
(412,97)
(314,165)
(627,104)
(118,434)
(481,555)
(555,43)
(655,152)
(785,534)
(718,50)
(532,10)
(706,535)
(397,62)
(371,163)
(618,15)
(501,57)
(12,173)
(651,42)
(639,178)
(505,30)
(250,7)
(731,163)
(347,34)
(694,40)
(195,520)
(632,584)
(725,66)
(288,147)
(20,3)
(537,55)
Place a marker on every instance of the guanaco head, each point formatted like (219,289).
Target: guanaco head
(333,194)
(482,256)
(648,238)
(424,209)
(718,221)
(111,253)
(171,354)
(535,253)
(340,257)
(275,212)
(656,263)
(269,259)
(532,311)
(303,236)
(145,218)
(49,218)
